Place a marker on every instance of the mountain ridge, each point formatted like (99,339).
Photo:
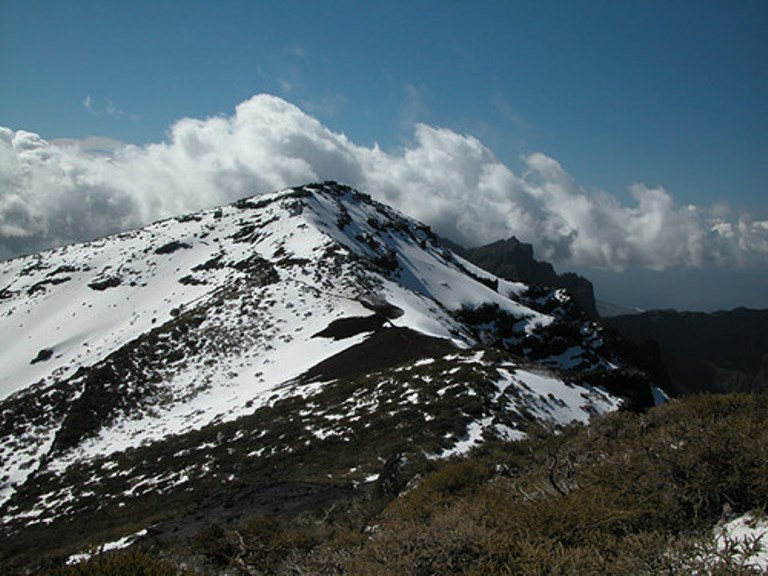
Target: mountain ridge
(296,336)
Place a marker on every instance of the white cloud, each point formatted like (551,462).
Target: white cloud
(108,108)
(52,193)
(91,144)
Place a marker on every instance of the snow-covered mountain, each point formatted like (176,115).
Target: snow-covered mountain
(302,335)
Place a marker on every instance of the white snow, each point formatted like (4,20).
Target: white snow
(545,395)
(119,544)
(659,396)
(473,437)
(746,533)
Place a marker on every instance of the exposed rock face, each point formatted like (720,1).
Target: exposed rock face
(514,260)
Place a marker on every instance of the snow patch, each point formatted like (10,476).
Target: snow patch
(123,542)
(746,537)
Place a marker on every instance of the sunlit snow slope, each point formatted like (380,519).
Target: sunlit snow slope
(204,319)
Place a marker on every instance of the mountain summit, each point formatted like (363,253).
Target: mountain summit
(305,337)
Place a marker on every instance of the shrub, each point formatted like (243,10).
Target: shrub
(215,546)
(131,562)
(440,489)
(628,494)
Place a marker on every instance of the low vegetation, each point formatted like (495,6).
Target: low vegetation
(628,494)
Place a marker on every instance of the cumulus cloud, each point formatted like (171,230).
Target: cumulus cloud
(55,193)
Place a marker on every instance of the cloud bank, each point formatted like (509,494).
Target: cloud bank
(61,192)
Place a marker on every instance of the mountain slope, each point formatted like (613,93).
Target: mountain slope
(301,336)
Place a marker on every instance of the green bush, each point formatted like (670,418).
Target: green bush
(269,543)
(215,546)
(454,479)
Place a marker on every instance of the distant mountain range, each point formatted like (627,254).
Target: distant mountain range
(277,353)
(705,352)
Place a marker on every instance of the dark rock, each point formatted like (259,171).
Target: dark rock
(42,356)
(172,247)
(514,260)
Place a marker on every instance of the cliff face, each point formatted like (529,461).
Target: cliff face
(514,260)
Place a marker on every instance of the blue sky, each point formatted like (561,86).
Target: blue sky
(672,94)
